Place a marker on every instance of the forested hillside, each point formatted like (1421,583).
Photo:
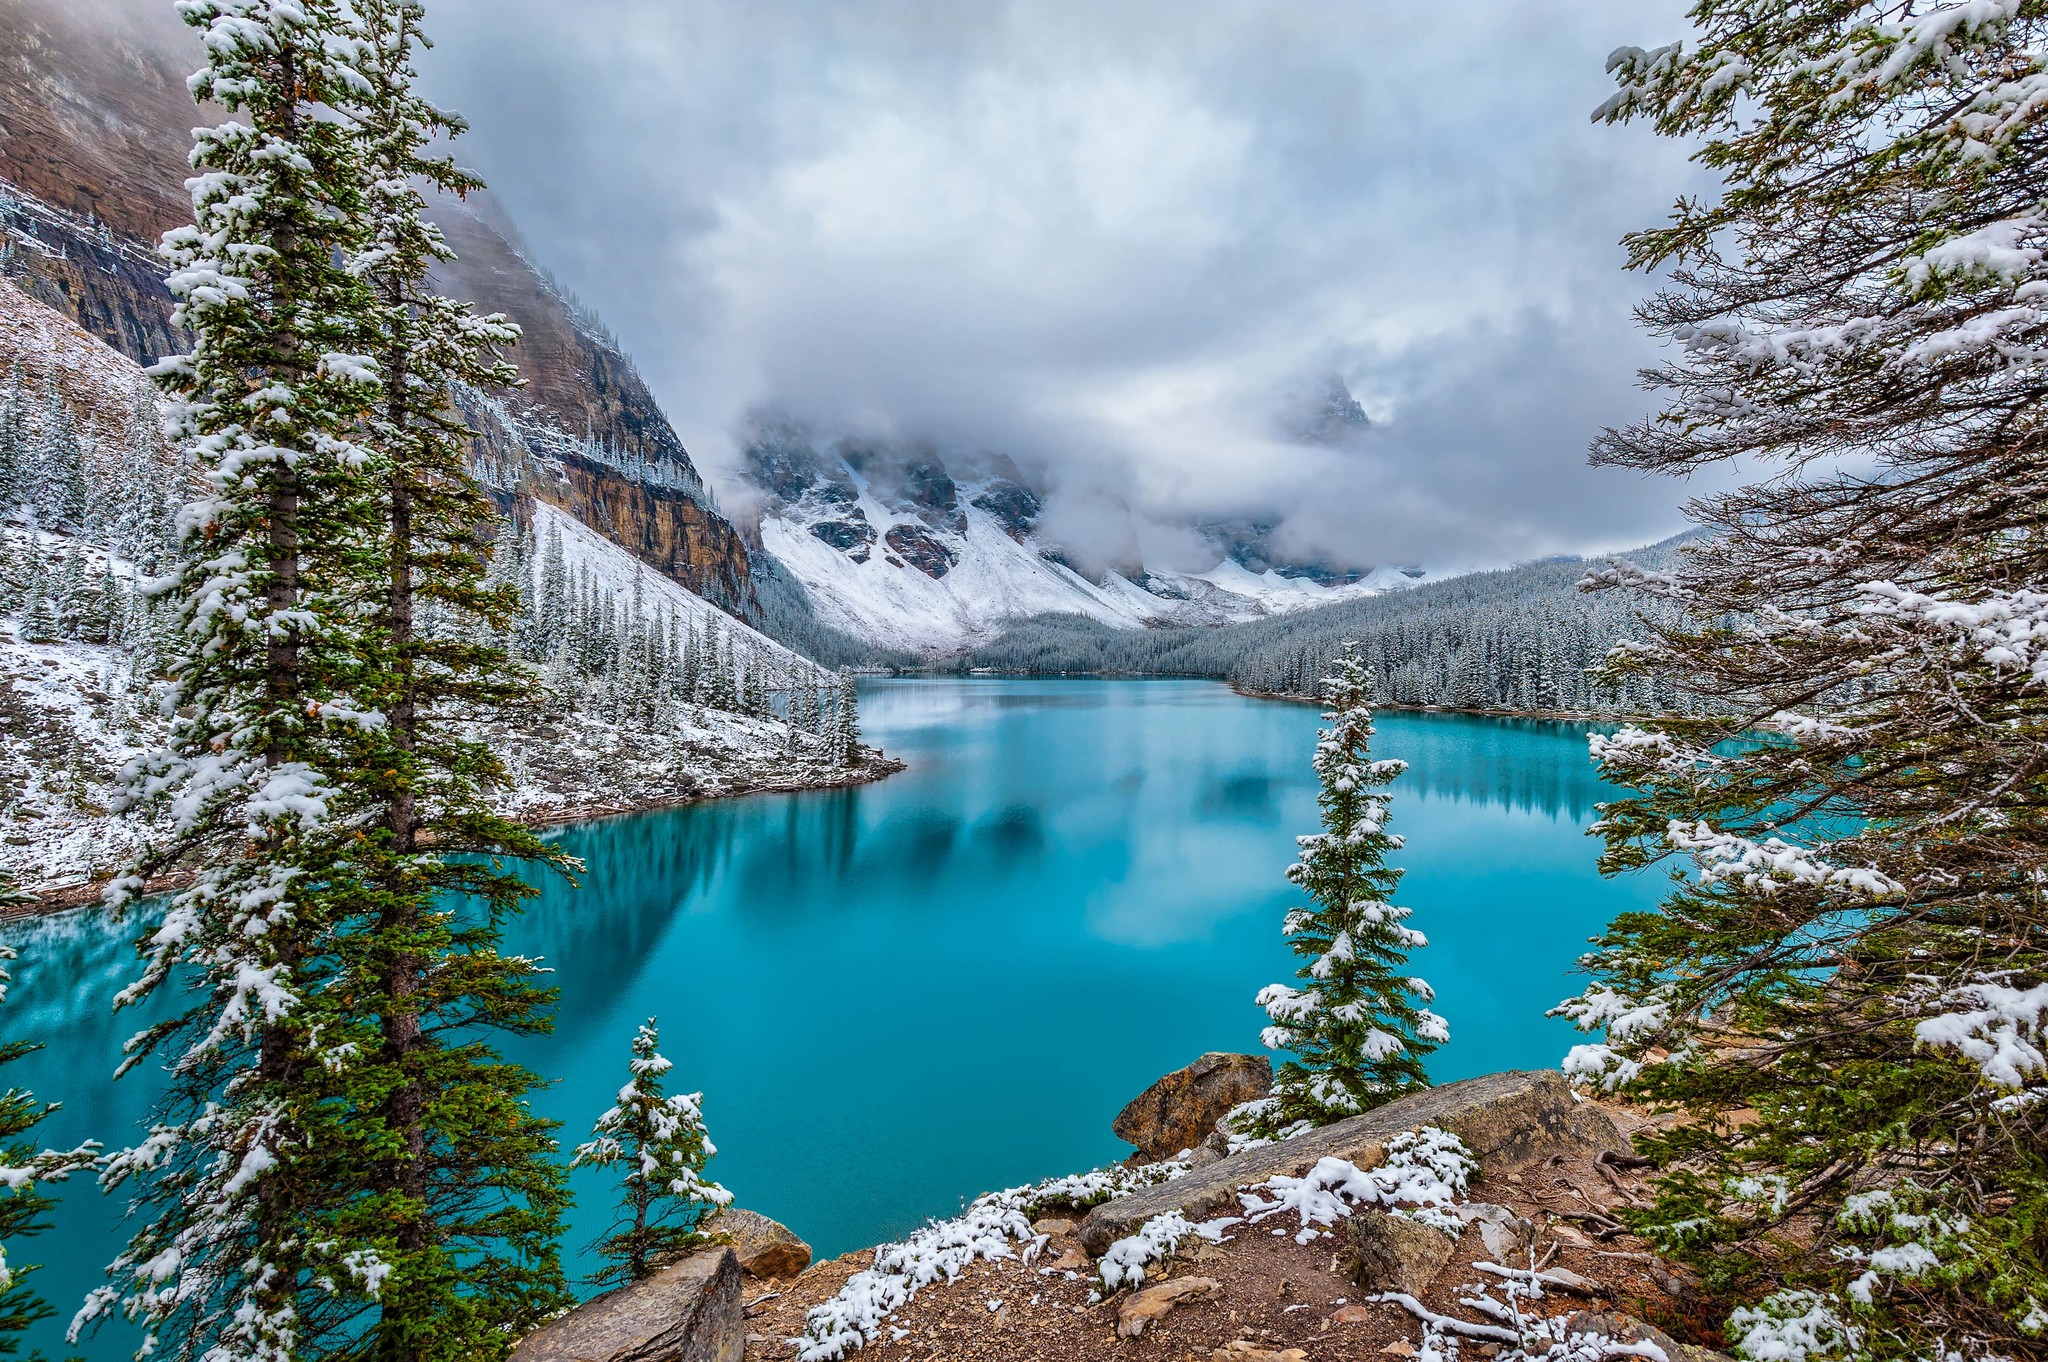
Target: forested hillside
(651,694)
(1523,639)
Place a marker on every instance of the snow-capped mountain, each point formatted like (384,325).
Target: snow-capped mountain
(930,553)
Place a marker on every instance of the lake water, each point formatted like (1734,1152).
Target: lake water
(897,996)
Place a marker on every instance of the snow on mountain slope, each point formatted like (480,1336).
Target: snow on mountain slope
(991,578)
(74,711)
(895,547)
(618,571)
(1279,594)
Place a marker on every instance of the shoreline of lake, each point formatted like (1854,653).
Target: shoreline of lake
(70,898)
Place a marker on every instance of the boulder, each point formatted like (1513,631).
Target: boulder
(1391,1252)
(1507,1236)
(764,1247)
(1509,1121)
(1628,1329)
(686,1313)
(1149,1306)
(1180,1110)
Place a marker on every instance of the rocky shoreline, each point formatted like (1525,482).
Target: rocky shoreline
(1552,1166)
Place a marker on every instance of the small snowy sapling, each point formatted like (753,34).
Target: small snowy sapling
(661,1146)
(1358,1028)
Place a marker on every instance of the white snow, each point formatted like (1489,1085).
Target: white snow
(1424,1172)
(996,579)
(616,570)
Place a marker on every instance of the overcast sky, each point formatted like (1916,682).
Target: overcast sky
(1108,236)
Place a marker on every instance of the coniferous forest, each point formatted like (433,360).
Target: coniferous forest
(1524,640)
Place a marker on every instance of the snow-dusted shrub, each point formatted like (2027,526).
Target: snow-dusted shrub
(1425,1170)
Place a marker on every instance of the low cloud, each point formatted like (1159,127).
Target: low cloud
(1104,237)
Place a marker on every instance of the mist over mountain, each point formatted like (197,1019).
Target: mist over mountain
(1111,241)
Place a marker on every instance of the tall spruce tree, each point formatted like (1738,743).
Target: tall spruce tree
(239,1251)
(1358,1027)
(659,1144)
(462,1192)
(1847,994)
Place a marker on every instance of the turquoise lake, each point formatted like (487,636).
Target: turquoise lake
(897,996)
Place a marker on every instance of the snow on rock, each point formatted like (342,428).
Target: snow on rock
(935,579)
(1424,1171)
(91,375)
(997,1225)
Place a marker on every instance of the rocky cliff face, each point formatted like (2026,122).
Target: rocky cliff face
(94,126)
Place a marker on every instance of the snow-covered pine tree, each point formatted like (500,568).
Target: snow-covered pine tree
(660,1146)
(14,447)
(1848,995)
(552,604)
(24,1210)
(461,1194)
(57,489)
(1359,1027)
(846,730)
(249,1161)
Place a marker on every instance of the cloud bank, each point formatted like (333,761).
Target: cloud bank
(1103,236)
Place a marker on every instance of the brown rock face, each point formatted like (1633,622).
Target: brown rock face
(665,529)
(921,549)
(1180,1110)
(765,1248)
(687,1313)
(1391,1252)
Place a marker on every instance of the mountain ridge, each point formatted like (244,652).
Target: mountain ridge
(94,128)
(935,550)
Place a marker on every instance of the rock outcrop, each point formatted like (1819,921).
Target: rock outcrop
(1391,1252)
(765,1248)
(1181,1110)
(1508,1120)
(1506,1235)
(687,1313)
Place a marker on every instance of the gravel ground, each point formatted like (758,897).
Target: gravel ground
(1273,1295)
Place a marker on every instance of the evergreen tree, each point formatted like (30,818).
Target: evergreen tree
(1847,996)
(846,733)
(660,1147)
(14,446)
(24,1209)
(57,490)
(250,1161)
(1358,1027)
(463,1195)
